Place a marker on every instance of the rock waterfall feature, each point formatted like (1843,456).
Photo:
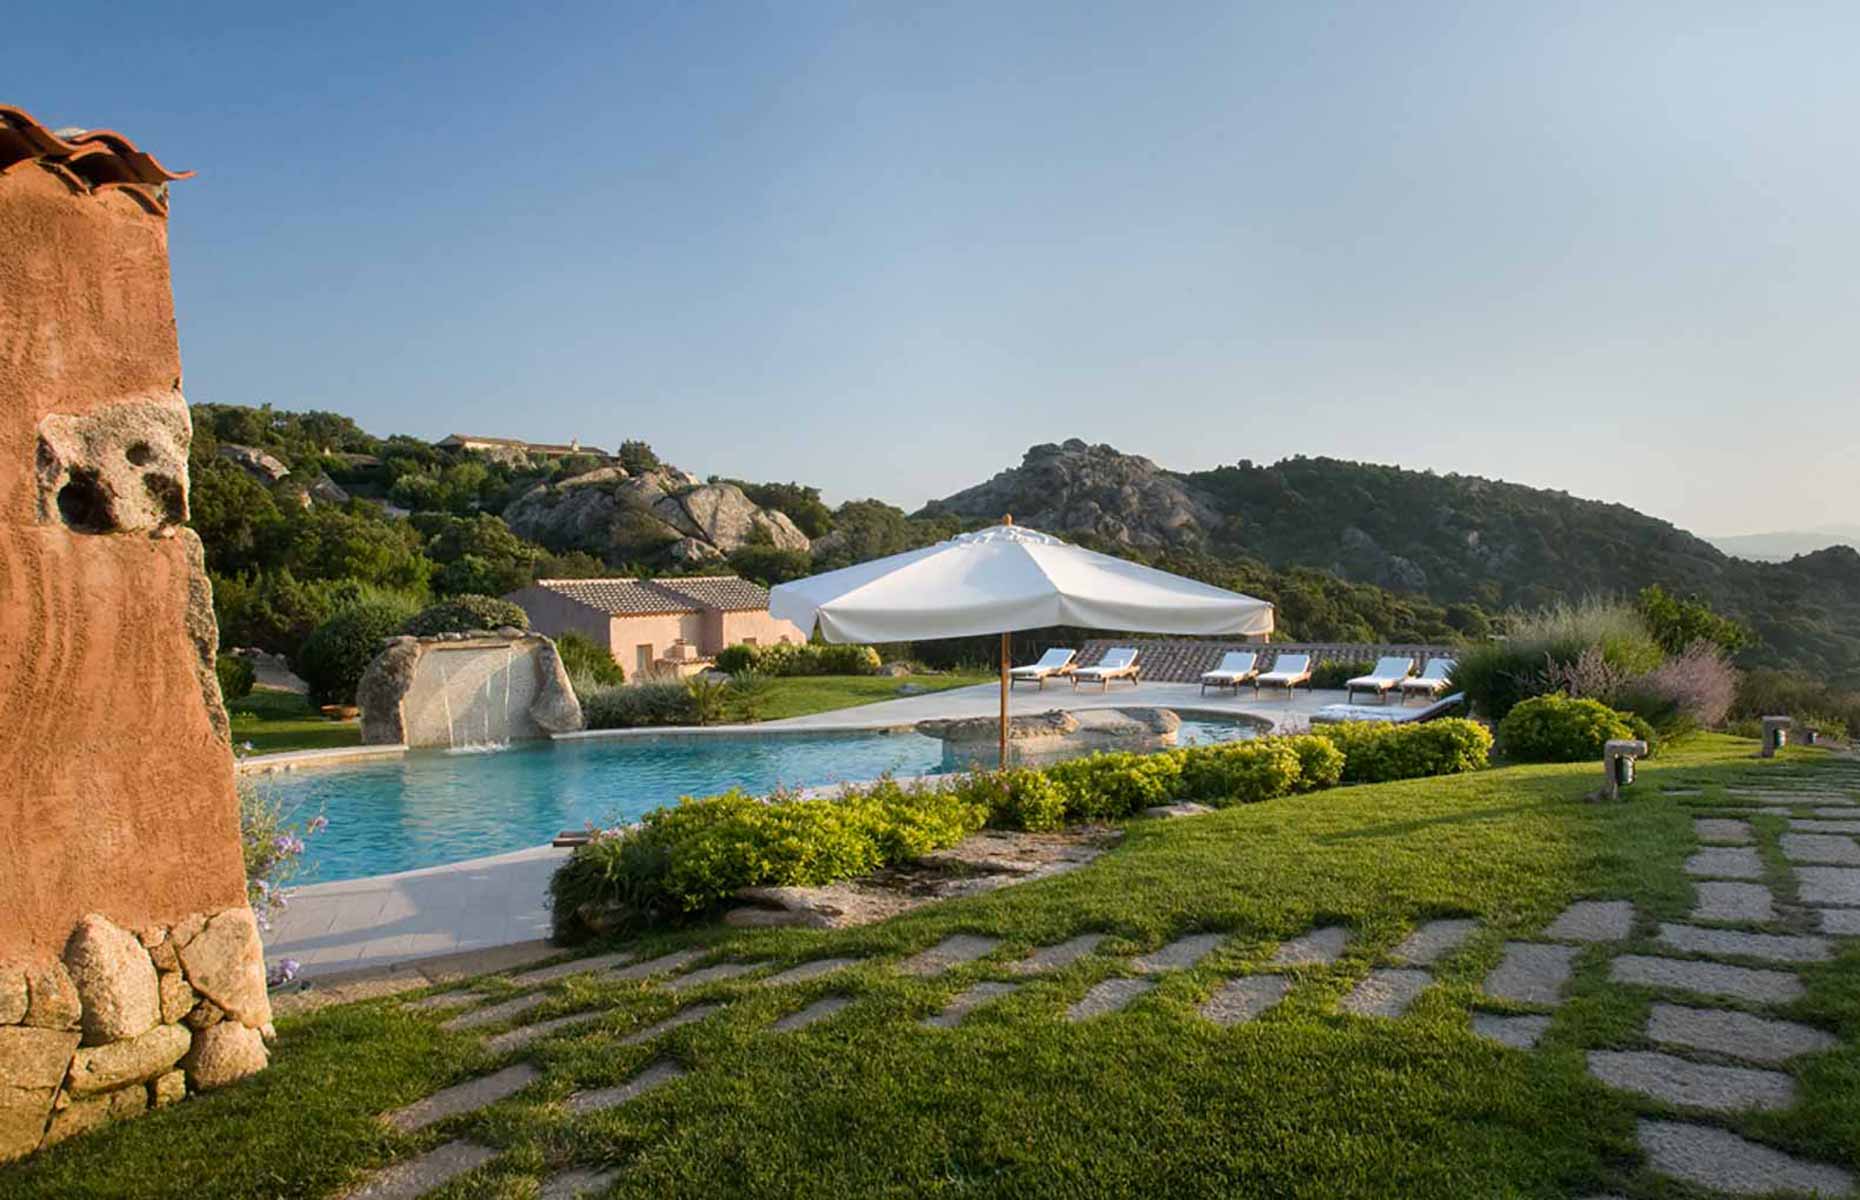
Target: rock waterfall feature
(466,691)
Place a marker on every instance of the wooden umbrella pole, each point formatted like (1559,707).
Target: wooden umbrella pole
(1004,699)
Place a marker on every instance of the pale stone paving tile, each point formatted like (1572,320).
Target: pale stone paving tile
(1706,978)
(1722,830)
(1052,958)
(809,970)
(1180,954)
(1832,886)
(1820,848)
(1690,1084)
(658,966)
(494,1014)
(576,967)
(1593,921)
(684,1016)
(1434,940)
(1719,901)
(1386,992)
(1840,922)
(819,1010)
(1789,948)
(417,1176)
(1315,949)
(1520,1033)
(950,952)
(1834,813)
(1735,1034)
(1531,973)
(577,1182)
(656,1075)
(1716,1159)
(523,1035)
(1108,997)
(464,1097)
(453,999)
(1815,825)
(1724,862)
(1240,1000)
(968,1002)
(708,975)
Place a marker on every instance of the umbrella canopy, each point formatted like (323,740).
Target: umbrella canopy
(1006,578)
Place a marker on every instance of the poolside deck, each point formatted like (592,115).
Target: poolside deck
(388,922)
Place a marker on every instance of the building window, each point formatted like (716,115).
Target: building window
(642,655)
(749,641)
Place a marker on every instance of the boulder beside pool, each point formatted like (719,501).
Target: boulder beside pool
(484,688)
(1050,736)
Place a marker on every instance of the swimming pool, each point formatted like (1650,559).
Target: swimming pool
(433,806)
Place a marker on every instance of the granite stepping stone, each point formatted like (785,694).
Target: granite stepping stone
(1719,901)
(1791,796)
(819,1010)
(1692,1085)
(708,975)
(656,1075)
(1108,997)
(1240,1000)
(684,1016)
(1719,1160)
(1816,825)
(968,1002)
(445,1000)
(950,952)
(809,970)
(1180,954)
(1318,948)
(577,1182)
(1821,848)
(1434,940)
(598,962)
(1828,886)
(1706,978)
(1735,1034)
(1054,957)
(1386,992)
(657,966)
(495,1013)
(523,1035)
(1722,830)
(426,1173)
(1593,921)
(1520,1033)
(1725,862)
(1833,813)
(1531,973)
(1788,948)
(464,1097)
(1841,922)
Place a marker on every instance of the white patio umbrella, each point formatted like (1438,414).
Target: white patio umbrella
(1005,578)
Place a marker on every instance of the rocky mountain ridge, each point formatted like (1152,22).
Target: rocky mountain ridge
(610,508)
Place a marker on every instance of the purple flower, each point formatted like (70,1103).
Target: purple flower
(283,973)
(288,843)
(317,824)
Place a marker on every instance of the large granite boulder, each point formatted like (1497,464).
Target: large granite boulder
(115,981)
(453,689)
(1043,737)
(663,513)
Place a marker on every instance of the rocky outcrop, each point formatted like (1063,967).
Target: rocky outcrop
(261,466)
(1057,734)
(657,514)
(1074,488)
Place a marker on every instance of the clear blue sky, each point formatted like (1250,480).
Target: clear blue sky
(882,248)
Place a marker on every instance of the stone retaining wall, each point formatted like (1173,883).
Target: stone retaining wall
(1183,660)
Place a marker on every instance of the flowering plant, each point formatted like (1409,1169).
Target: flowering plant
(273,847)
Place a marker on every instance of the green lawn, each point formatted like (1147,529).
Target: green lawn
(276,721)
(797,696)
(1154,1101)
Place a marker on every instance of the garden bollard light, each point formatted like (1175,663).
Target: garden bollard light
(1775,735)
(1618,766)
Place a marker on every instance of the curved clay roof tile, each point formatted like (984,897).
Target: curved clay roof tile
(99,157)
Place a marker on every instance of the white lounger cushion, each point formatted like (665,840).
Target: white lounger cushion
(1436,671)
(1052,660)
(1288,666)
(1115,662)
(1234,664)
(1388,673)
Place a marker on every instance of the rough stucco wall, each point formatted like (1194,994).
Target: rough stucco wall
(767,630)
(118,788)
(628,633)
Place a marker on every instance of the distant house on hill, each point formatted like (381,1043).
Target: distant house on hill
(507,448)
(657,626)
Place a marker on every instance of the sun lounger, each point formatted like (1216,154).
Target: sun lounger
(1288,671)
(1430,682)
(1120,662)
(1237,667)
(1056,661)
(1386,677)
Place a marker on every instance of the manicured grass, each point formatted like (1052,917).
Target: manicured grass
(1016,1102)
(797,696)
(277,721)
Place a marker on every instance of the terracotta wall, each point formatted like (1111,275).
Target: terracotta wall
(758,624)
(118,796)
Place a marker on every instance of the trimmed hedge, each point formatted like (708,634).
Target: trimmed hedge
(809,658)
(462,614)
(693,856)
(1556,728)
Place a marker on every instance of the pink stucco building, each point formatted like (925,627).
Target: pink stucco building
(657,626)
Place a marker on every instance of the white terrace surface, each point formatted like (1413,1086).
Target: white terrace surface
(390,920)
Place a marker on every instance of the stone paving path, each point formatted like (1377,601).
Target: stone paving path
(1518,1032)
(1593,921)
(495,1013)
(1689,1084)
(656,1075)
(1821,848)
(684,1016)
(809,970)
(577,1182)
(950,952)
(1725,862)
(1434,940)
(968,1002)
(1386,992)
(1722,901)
(819,1010)
(1320,947)
(1823,825)
(1109,996)
(1735,1034)
(1831,886)
(1722,831)
(579,966)
(1057,956)
(1706,979)
(523,1035)
(658,966)
(1178,955)
(422,1174)
(708,975)
(1732,943)
(1708,1157)
(1531,973)
(1240,1000)
(464,1097)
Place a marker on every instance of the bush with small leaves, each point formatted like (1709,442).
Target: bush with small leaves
(1378,752)
(333,657)
(1559,729)
(463,614)
(236,674)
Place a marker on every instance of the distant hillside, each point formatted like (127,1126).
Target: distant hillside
(1786,544)
(1452,538)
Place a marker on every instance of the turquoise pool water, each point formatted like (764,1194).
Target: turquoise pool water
(432,806)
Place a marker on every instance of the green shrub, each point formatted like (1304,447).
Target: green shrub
(1239,772)
(585,658)
(749,695)
(237,675)
(809,658)
(1559,729)
(462,614)
(1114,784)
(637,705)
(334,656)
(733,660)
(1018,798)
(1332,675)
(710,699)
(1539,646)
(1378,752)
(1320,762)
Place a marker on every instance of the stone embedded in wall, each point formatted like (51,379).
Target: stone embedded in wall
(116,982)
(225,962)
(52,998)
(222,1054)
(13,995)
(121,468)
(98,1069)
(466,689)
